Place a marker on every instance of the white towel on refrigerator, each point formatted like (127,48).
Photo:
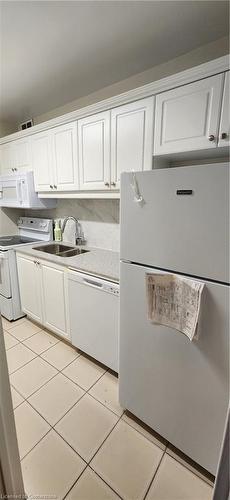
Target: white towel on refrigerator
(174,301)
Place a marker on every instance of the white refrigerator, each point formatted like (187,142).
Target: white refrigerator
(177,387)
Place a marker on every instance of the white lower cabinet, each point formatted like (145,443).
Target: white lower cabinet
(29,284)
(54,299)
(43,293)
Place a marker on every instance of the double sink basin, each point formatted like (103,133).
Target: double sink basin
(61,250)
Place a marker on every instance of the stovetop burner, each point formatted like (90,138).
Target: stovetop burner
(6,241)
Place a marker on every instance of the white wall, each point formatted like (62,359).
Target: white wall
(198,56)
(8,219)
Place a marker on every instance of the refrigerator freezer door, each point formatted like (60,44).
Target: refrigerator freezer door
(182,224)
(179,388)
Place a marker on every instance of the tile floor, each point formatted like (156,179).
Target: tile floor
(75,441)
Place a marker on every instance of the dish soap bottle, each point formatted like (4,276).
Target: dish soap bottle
(57,231)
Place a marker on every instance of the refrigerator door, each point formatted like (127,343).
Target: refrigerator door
(182,224)
(177,387)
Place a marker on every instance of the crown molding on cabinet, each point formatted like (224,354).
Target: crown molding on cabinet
(184,77)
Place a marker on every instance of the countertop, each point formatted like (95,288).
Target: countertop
(96,261)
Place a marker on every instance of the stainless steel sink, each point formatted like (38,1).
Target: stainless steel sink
(60,250)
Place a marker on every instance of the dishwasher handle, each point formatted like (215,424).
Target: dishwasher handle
(92,283)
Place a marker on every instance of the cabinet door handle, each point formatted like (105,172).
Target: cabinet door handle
(224,135)
(113,184)
(107,184)
(55,187)
(51,187)
(211,138)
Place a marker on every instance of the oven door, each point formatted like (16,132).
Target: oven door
(5,285)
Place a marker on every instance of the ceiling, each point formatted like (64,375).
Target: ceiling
(53,52)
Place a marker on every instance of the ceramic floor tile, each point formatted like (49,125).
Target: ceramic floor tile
(30,428)
(32,376)
(84,372)
(127,461)
(60,355)
(175,482)
(91,487)
(106,391)
(51,468)
(18,356)
(24,330)
(145,430)
(17,399)
(86,426)
(182,459)
(55,398)
(9,340)
(41,341)
(10,324)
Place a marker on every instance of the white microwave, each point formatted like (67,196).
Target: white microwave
(18,191)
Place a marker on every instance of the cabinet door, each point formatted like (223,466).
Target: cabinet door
(94,151)
(65,157)
(6,159)
(187,117)
(131,138)
(29,286)
(41,145)
(54,299)
(22,154)
(225,115)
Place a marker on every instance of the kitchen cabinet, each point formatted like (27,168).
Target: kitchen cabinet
(65,161)
(54,298)
(29,284)
(16,156)
(41,146)
(55,159)
(94,151)
(131,138)
(43,292)
(187,117)
(224,133)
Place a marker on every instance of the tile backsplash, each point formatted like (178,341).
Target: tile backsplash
(99,220)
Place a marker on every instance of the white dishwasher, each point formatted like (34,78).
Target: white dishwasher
(94,316)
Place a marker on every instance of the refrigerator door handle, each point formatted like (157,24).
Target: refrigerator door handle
(134,185)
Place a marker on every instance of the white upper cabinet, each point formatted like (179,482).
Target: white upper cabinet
(16,156)
(22,155)
(65,157)
(224,133)
(187,118)
(41,145)
(131,138)
(6,158)
(94,151)
(55,159)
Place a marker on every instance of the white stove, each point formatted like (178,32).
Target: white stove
(30,230)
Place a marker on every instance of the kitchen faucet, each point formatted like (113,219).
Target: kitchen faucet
(78,232)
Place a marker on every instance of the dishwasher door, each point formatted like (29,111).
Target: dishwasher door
(94,316)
